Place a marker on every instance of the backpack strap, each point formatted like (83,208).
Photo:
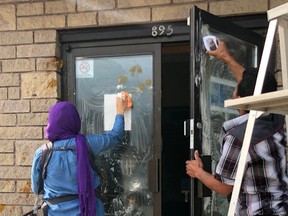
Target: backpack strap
(65,198)
(45,158)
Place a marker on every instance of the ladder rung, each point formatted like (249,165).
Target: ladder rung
(277,12)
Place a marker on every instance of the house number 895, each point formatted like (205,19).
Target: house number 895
(162,30)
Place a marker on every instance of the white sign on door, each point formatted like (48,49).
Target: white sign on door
(110,113)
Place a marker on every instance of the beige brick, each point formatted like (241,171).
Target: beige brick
(60,7)
(184,1)
(42,105)
(30,9)
(238,7)
(41,22)
(14,106)
(40,85)
(7,210)
(49,64)
(24,186)
(8,38)
(18,65)
(15,198)
(124,16)
(25,151)
(32,119)
(13,93)
(7,52)
(14,1)
(6,146)
(8,17)
(82,19)
(36,50)
(7,186)
(139,3)
(6,159)
(174,12)
(21,133)
(7,119)
(275,3)
(94,5)
(45,36)
(3,94)
(9,80)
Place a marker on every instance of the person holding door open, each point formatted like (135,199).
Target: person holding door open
(264,189)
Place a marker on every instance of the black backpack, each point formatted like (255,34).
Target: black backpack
(98,164)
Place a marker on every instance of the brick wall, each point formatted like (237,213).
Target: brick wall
(30,75)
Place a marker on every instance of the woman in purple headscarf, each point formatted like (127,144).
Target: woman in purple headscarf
(69,172)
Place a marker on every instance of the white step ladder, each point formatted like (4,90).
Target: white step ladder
(274,102)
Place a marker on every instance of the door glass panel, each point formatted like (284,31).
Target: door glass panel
(218,84)
(125,167)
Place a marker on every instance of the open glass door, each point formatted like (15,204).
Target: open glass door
(130,170)
(211,84)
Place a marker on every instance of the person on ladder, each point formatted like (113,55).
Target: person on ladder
(264,189)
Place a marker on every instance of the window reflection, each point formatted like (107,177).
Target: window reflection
(125,167)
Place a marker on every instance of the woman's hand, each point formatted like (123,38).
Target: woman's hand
(120,105)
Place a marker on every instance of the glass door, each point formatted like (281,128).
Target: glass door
(130,170)
(211,83)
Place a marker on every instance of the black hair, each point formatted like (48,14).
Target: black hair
(247,85)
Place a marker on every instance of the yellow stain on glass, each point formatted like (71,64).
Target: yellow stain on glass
(139,69)
(136,68)
(141,86)
(122,79)
(148,82)
(133,70)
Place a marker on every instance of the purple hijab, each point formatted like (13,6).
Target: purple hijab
(64,123)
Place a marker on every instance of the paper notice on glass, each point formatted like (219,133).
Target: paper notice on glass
(84,68)
(110,113)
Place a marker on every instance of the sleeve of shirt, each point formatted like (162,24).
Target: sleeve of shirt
(227,166)
(36,171)
(104,141)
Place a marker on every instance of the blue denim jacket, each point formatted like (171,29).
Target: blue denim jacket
(62,170)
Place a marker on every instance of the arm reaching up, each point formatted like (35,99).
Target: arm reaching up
(222,53)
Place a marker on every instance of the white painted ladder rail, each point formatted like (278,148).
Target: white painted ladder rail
(276,17)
